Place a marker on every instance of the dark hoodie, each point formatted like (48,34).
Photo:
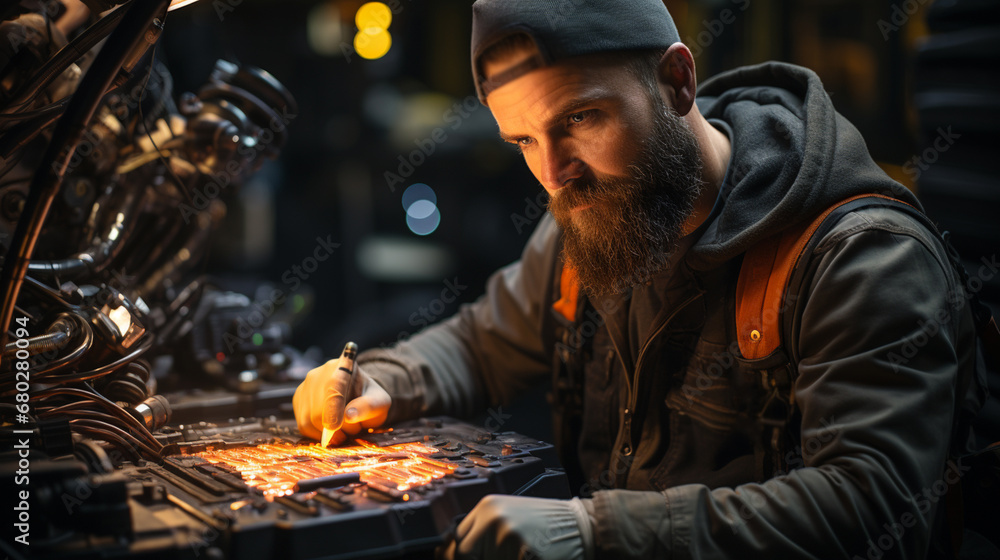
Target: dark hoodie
(793,156)
(666,441)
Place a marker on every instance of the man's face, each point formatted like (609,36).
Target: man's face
(622,169)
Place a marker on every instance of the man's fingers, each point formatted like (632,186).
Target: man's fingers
(338,438)
(306,427)
(449,551)
(370,409)
(477,529)
(335,393)
(321,401)
(307,422)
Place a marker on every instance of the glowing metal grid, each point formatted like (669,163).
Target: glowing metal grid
(274,468)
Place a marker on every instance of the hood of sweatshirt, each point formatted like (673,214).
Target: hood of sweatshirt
(793,156)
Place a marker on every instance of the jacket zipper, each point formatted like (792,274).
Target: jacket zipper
(627,449)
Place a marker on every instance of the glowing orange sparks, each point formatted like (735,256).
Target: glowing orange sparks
(274,468)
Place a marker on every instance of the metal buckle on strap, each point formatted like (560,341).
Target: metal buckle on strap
(776,411)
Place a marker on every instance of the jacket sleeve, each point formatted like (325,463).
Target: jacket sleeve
(486,354)
(883,331)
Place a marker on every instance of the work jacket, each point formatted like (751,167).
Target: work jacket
(668,436)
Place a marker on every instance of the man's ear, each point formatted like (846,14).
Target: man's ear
(677,78)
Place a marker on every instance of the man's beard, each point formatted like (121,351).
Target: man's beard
(635,222)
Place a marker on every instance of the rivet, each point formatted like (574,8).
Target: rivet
(755,335)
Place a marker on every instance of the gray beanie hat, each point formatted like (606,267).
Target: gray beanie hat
(564,29)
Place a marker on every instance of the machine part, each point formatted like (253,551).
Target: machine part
(65,139)
(395,493)
(154,412)
(115,318)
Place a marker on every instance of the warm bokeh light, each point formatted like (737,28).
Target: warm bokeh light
(373,15)
(372,43)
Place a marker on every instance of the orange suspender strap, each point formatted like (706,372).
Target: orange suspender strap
(764,276)
(569,293)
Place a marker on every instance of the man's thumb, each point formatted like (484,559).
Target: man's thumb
(366,407)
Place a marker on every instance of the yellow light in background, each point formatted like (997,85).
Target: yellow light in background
(373,39)
(373,14)
(372,43)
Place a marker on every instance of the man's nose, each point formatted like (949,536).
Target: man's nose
(559,166)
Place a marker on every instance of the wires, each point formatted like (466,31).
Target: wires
(82,419)
(110,434)
(74,50)
(145,344)
(57,335)
(87,396)
(41,370)
(48,110)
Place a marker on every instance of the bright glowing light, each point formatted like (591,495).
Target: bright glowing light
(179,4)
(425,225)
(422,214)
(421,209)
(373,15)
(274,468)
(121,318)
(372,43)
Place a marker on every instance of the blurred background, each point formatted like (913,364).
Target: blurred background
(378,115)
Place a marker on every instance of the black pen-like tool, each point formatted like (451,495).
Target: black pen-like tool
(346,364)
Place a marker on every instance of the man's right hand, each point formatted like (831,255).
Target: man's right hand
(319,402)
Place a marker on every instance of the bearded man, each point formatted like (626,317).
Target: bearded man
(655,198)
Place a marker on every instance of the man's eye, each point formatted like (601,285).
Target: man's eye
(522,142)
(578,118)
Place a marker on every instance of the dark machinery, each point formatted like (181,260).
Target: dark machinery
(255,489)
(109,192)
